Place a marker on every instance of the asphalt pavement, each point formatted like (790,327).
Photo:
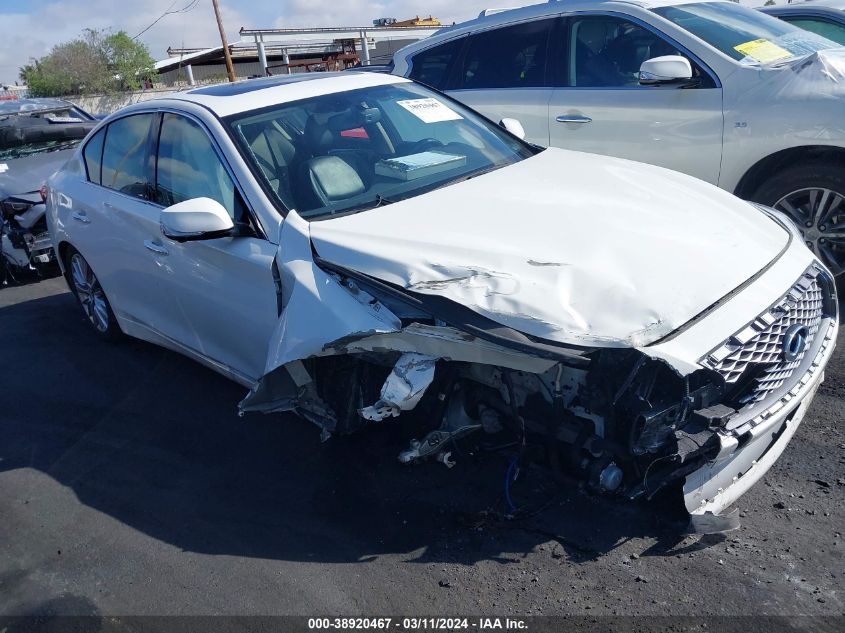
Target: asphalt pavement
(129,485)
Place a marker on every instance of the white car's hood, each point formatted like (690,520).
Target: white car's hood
(566,246)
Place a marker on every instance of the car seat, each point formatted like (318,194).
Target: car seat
(274,154)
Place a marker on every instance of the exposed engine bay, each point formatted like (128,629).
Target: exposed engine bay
(622,424)
(613,420)
(25,244)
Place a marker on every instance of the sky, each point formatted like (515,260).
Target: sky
(32,27)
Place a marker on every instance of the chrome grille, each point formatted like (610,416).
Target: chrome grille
(761,343)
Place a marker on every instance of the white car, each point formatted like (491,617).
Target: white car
(355,246)
(713,89)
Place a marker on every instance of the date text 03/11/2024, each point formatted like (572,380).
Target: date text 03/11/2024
(421,623)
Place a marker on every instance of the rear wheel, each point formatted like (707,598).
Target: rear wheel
(91,296)
(813,195)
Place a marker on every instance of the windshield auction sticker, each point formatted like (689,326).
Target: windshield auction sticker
(763,51)
(430,110)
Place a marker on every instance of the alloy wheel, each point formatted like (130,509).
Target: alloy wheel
(820,215)
(90,293)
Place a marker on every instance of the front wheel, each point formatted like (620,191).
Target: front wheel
(91,296)
(813,195)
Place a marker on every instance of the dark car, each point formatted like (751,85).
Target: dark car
(825,17)
(37,136)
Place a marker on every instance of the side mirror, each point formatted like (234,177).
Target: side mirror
(196,219)
(665,70)
(514,127)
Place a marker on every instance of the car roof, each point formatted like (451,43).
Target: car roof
(254,94)
(552,7)
(15,106)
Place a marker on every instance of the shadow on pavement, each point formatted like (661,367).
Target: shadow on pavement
(153,440)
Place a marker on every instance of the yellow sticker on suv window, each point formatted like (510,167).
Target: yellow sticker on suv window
(763,51)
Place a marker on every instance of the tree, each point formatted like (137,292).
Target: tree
(73,67)
(26,69)
(129,60)
(97,62)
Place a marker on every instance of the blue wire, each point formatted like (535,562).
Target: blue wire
(511,467)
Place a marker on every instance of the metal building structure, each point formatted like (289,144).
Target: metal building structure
(367,38)
(283,51)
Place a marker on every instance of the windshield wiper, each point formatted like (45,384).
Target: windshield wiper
(382,201)
(378,201)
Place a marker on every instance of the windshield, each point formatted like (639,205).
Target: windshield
(744,34)
(9,153)
(34,131)
(356,150)
(59,114)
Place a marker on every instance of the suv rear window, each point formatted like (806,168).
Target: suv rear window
(431,66)
(509,57)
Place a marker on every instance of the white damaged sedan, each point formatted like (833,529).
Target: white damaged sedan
(351,247)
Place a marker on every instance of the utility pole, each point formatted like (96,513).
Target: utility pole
(230,70)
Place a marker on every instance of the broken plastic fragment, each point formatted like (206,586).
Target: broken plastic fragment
(404,387)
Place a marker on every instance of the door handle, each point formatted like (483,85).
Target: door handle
(573,118)
(158,249)
(81,217)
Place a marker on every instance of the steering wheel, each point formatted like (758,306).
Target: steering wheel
(423,144)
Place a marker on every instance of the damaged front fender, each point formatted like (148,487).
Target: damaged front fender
(325,315)
(316,311)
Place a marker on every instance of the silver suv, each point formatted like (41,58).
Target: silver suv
(713,89)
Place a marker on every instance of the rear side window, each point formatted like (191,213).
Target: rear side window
(125,154)
(93,155)
(509,57)
(188,167)
(431,67)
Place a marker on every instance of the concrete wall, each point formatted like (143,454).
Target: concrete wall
(208,72)
(383,52)
(106,104)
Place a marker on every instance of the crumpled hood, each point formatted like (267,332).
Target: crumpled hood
(816,76)
(567,246)
(27,174)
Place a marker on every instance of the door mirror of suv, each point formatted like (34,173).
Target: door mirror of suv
(196,219)
(667,69)
(514,127)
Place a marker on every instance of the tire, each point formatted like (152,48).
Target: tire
(813,195)
(90,296)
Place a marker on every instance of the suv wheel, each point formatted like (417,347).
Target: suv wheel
(813,195)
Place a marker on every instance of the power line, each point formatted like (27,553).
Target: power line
(188,7)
